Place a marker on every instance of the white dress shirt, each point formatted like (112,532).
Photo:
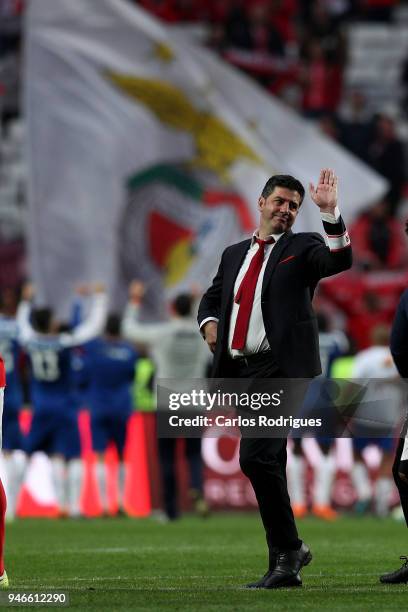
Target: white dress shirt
(256,340)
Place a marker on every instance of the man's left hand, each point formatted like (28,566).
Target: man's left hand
(325,193)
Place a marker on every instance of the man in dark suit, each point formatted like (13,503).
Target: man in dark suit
(399,350)
(258,320)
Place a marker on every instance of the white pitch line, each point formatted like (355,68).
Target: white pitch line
(375,588)
(200,576)
(139,550)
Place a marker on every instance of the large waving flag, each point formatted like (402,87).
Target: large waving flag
(147,153)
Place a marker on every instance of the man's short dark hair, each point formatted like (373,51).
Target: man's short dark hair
(183,304)
(283,180)
(41,319)
(113,324)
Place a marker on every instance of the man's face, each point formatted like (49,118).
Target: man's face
(279,210)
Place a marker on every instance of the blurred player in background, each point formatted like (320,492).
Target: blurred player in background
(399,350)
(375,364)
(332,344)
(179,353)
(14,457)
(54,428)
(4,583)
(109,370)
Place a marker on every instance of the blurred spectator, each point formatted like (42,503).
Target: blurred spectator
(328,126)
(282,14)
(386,155)
(355,124)
(10,9)
(376,10)
(171,10)
(404,87)
(216,36)
(338,9)
(364,316)
(365,299)
(378,239)
(174,11)
(321,81)
(321,25)
(252,28)
(10,40)
(13,264)
(10,86)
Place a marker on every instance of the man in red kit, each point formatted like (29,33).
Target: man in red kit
(3,504)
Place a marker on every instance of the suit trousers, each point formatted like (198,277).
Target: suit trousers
(402,486)
(263,461)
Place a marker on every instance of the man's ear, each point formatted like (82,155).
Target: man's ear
(261,202)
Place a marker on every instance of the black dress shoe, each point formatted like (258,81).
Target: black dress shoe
(294,581)
(273,557)
(397,577)
(288,565)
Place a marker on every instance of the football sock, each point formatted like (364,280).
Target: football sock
(101,478)
(15,466)
(58,480)
(74,484)
(3,506)
(323,480)
(361,481)
(296,480)
(383,488)
(122,484)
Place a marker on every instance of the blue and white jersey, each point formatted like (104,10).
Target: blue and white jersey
(10,351)
(52,376)
(51,383)
(109,367)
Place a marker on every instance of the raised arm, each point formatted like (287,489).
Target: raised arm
(132,328)
(24,327)
(93,325)
(328,260)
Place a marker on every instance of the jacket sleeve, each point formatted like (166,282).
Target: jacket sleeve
(210,304)
(325,260)
(399,336)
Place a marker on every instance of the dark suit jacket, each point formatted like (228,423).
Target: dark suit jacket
(399,336)
(296,264)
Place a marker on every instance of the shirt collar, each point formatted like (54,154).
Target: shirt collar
(256,235)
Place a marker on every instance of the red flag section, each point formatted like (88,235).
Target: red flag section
(164,234)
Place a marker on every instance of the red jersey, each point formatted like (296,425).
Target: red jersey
(2,373)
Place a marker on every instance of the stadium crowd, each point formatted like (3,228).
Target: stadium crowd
(301,52)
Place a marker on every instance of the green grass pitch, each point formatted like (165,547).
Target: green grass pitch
(195,564)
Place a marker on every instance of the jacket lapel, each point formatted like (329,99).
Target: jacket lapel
(234,263)
(274,258)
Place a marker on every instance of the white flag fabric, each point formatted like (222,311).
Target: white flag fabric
(147,153)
